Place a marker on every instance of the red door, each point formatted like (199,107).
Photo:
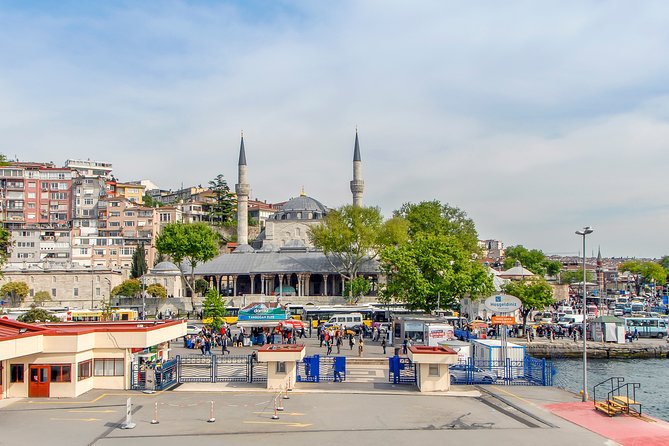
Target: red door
(39,381)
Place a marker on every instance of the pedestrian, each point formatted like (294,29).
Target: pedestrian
(383,344)
(207,346)
(224,346)
(361,346)
(405,345)
(338,344)
(328,345)
(351,342)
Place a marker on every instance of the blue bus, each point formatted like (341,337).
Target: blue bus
(646,327)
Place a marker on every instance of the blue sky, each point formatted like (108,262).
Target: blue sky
(536,118)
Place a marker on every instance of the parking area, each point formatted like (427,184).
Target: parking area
(244,417)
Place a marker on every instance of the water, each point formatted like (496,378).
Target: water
(650,373)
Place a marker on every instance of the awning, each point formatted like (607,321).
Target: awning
(259,324)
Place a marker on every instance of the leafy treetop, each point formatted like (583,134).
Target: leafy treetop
(532,259)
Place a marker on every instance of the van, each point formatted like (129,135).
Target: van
(565,309)
(570,319)
(345,320)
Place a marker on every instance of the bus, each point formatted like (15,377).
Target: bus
(230,318)
(321,314)
(296,311)
(118,314)
(646,327)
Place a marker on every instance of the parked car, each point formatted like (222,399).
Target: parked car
(459,375)
(193,329)
(618,312)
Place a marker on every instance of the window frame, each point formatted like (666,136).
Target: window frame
(113,373)
(58,377)
(87,365)
(13,375)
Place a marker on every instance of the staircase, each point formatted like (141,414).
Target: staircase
(621,399)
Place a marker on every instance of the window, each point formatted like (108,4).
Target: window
(280,367)
(109,367)
(53,292)
(128,223)
(85,369)
(16,373)
(88,201)
(433,370)
(75,291)
(61,373)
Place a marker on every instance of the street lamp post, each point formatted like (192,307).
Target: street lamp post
(585,231)
(143,280)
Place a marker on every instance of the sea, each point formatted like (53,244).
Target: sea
(650,373)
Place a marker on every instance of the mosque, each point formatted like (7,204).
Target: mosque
(281,261)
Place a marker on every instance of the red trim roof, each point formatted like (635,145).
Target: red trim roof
(10,329)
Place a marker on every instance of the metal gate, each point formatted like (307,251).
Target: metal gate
(165,376)
(321,368)
(220,368)
(401,370)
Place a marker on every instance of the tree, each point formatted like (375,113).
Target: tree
(127,288)
(151,202)
(223,208)
(156,290)
(349,237)
(41,296)
(3,160)
(647,272)
(532,259)
(138,267)
(192,242)
(357,288)
(213,307)
(664,262)
(15,291)
(5,244)
(437,259)
(533,293)
(569,277)
(201,286)
(37,315)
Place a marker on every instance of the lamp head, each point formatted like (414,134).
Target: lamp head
(587,230)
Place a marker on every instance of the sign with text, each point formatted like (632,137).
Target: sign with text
(503,320)
(502,303)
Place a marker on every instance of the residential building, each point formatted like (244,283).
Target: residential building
(34,243)
(89,168)
(131,191)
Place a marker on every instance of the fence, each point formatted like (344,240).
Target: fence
(527,372)
(165,376)
(401,370)
(321,368)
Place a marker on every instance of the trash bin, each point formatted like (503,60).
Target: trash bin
(397,351)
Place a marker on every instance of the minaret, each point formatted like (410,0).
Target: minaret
(600,273)
(357,185)
(243,190)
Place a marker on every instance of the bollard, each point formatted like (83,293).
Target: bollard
(128,416)
(285,393)
(155,414)
(280,407)
(275,416)
(211,414)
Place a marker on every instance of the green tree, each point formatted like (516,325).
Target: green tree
(349,237)
(3,160)
(664,262)
(5,244)
(41,297)
(191,242)
(37,315)
(437,260)
(138,267)
(534,294)
(647,271)
(433,217)
(213,307)
(156,290)
(568,277)
(357,288)
(127,288)
(201,286)
(532,259)
(151,202)
(16,292)
(223,208)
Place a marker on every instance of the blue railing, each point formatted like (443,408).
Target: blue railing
(401,370)
(527,372)
(321,368)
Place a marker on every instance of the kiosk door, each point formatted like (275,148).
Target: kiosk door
(39,381)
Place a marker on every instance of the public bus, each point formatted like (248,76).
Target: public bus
(321,314)
(296,311)
(230,318)
(646,327)
(118,314)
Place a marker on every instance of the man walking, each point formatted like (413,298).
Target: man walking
(384,344)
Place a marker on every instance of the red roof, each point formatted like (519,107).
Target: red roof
(14,329)
(10,329)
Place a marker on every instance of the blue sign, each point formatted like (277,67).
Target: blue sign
(665,300)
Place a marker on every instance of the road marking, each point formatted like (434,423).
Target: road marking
(295,414)
(514,395)
(75,419)
(95,400)
(92,411)
(278,422)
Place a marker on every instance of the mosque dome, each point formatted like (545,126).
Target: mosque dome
(165,267)
(301,208)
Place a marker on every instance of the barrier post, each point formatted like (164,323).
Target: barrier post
(155,414)
(275,416)
(280,407)
(211,414)
(285,393)
(128,416)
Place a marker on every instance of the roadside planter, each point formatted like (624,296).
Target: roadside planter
(281,362)
(432,362)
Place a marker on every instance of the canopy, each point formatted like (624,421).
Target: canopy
(292,323)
